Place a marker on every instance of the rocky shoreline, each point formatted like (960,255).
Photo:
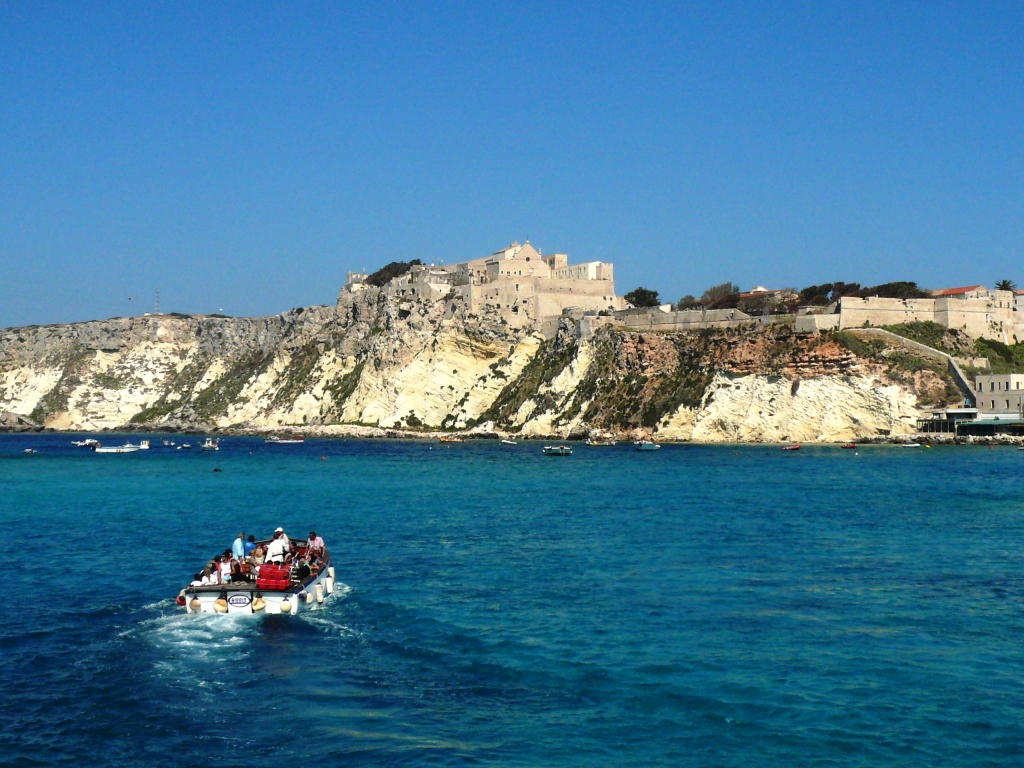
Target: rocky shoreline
(15,424)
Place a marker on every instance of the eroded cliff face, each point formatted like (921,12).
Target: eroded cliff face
(375,360)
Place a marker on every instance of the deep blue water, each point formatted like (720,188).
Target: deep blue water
(726,606)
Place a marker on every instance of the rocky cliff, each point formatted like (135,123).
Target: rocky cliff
(374,360)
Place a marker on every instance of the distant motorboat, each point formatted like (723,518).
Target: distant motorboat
(211,444)
(790,447)
(286,440)
(508,442)
(646,445)
(126,448)
(557,450)
(87,443)
(450,439)
(849,446)
(184,447)
(143,445)
(910,445)
(30,451)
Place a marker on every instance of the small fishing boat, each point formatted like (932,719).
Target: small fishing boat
(557,450)
(126,448)
(211,444)
(30,451)
(849,446)
(646,445)
(790,447)
(910,445)
(143,445)
(87,443)
(284,440)
(167,443)
(508,442)
(450,439)
(275,589)
(184,447)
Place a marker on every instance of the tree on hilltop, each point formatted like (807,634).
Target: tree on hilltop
(389,272)
(1006,285)
(720,291)
(687,302)
(642,297)
(903,289)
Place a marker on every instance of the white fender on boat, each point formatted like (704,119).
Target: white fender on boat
(319,593)
(329,585)
(194,605)
(307,596)
(258,604)
(330,571)
(286,607)
(220,605)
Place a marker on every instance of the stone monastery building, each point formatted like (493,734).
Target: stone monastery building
(519,282)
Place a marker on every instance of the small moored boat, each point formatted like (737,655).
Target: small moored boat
(143,445)
(849,446)
(646,445)
(285,440)
(211,444)
(30,451)
(790,447)
(87,443)
(508,442)
(126,448)
(557,450)
(450,439)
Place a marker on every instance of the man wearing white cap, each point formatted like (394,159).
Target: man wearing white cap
(276,550)
(287,541)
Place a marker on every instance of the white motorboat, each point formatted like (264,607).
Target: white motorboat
(30,451)
(508,442)
(286,440)
(646,445)
(211,444)
(87,443)
(276,589)
(126,448)
(557,450)
(143,445)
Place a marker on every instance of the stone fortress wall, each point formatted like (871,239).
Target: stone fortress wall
(518,283)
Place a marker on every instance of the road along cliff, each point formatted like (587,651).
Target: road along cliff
(377,361)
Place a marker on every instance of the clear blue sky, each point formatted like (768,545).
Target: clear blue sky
(245,155)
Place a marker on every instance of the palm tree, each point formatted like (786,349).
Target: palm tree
(1006,285)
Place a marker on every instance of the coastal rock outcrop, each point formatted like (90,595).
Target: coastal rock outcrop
(378,362)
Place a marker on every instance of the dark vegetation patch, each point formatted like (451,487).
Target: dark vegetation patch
(74,362)
(341,388)
(223,392)
(390,271)
(546,364)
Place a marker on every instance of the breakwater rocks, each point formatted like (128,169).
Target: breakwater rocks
(378,365)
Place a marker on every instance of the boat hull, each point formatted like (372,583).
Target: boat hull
(240,598)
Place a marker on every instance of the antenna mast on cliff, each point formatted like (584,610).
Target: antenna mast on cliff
(156,306)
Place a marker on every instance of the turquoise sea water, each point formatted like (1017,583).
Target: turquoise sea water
(727,606)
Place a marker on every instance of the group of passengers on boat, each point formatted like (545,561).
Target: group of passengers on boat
(241,563)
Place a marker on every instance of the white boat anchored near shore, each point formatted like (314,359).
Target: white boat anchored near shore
(126,448)
(287,440)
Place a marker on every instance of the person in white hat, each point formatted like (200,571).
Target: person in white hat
(275,550)
(287,541)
